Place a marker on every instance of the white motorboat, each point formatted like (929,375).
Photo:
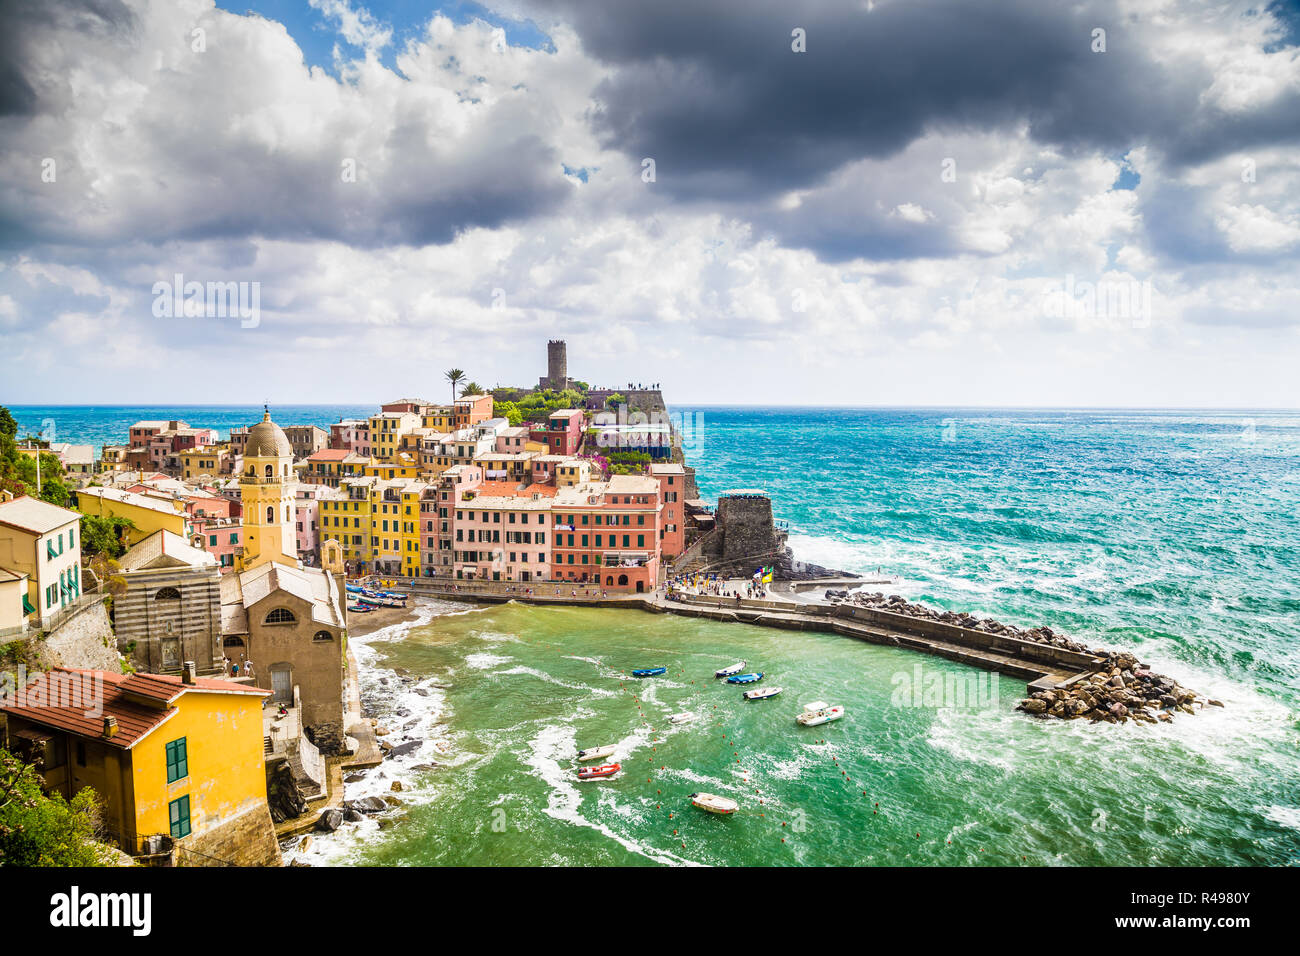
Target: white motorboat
(684,717)
(819,712)
(596,753)
(714,803)
(735,668)
(762,693)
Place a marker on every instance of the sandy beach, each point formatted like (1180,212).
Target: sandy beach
(360,625)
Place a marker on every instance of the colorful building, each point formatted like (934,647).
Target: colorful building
(42,542)
(177,761)
(562,431)
(148,512)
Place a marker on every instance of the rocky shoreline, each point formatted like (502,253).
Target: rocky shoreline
(1121,689)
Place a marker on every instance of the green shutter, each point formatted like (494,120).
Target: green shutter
(27,604)
(179,813)
(178,764)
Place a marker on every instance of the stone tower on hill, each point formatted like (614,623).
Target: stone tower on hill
(557,366)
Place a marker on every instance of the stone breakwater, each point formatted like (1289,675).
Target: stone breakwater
(1120,689)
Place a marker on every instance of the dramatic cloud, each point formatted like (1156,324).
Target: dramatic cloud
(936,201)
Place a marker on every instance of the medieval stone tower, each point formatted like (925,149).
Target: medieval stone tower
(557,366)
(266,488)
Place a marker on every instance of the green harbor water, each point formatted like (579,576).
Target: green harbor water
(502,698)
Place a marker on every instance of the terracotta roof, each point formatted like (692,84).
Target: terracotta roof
(329,454)
(512,489)
(168,687)
(135,719)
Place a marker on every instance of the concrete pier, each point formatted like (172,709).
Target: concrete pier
(1042,666)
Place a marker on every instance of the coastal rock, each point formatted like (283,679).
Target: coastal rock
(367,805)
(1120,688)
(399,750)
(330,821)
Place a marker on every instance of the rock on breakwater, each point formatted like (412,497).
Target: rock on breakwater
(1122,688)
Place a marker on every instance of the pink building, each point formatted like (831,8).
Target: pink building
(672,528)
(351,434)
(562,432)
(607,534)
(501,532)
(438,515)
(307,517)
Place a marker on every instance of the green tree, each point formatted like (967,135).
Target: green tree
(102,534)
(509,411)
(41,830)
(472,388)
(618,398)
(455,376)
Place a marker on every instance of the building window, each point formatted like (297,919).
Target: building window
(281,615)
(167,594)
(321,637)
(179,813)
(178,763)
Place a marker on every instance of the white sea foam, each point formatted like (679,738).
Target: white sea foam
(554,743)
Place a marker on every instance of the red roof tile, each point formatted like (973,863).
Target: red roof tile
(75,711)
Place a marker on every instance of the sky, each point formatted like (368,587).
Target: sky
(886,202)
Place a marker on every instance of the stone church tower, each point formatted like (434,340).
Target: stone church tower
(266,488)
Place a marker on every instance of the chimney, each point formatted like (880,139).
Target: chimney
(187,673)
(110,727)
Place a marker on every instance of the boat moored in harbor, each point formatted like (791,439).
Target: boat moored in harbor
(761,693)
(819,712)
(596,773)
(735,668)
(714,803)
(649,671)
(745,678)
(684,717)
(596,753)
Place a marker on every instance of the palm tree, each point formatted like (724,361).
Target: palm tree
(455,376)
(471,388)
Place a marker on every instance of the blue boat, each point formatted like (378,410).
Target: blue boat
(649,672)
(745,678)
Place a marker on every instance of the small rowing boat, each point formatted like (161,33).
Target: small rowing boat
(714,803)
(596,773)
(684,717)
(761,693)
(819,712)
(596,753)
(745,678)
(735,668)
(649,671)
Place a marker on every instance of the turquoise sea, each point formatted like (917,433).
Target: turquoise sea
(1175,534)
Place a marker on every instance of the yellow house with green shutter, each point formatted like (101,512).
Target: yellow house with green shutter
(178,761)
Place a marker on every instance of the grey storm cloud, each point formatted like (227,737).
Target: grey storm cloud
(197,147)
(715,94)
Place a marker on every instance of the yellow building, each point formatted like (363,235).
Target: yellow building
(149,513)
(177,760)
(208,460)
(376,523)
(266,490)
(386,431)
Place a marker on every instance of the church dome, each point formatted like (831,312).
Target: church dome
(266,439)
